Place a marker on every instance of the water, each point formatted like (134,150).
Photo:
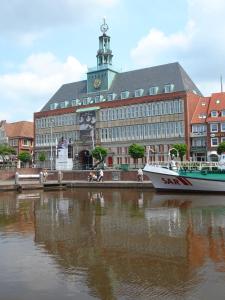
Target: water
(111,244)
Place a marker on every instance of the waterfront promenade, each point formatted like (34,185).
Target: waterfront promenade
(9,185)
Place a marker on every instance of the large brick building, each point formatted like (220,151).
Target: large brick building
(152,106)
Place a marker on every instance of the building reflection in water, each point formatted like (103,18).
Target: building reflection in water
(127,247)
(126,244)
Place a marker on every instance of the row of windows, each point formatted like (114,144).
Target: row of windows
(198,128)
(13,142)
(198,142)
(61,120)
(142,110)
(45,139)
(215,113)
(168,88)
(215,141)
(126,112)
(145,131)
(215,127)
(138,132)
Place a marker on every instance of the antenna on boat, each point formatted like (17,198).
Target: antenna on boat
(221,83)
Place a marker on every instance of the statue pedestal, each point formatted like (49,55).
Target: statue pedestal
(62,161)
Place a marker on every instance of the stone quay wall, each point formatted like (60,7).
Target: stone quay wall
(109,174)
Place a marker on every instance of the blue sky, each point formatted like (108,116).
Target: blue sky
(46,43)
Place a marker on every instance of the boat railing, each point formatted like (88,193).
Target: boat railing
(188,165)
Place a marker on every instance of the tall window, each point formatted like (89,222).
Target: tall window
(214,127)
(214,142)
(223,127)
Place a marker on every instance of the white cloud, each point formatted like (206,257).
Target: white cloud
(37,80)
(199,47)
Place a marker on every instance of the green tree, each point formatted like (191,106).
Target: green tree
(25,157)
(42,156)
(179,150)
(6,150)
(221,148)
(99,153)
(136,151)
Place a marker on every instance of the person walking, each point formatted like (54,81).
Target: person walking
(45,175)
(101,174)
(140,175)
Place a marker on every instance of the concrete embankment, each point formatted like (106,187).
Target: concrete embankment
(70,179)
(54,185)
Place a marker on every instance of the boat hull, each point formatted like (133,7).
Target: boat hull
(166,180)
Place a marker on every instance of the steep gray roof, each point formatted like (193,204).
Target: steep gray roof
(130,81)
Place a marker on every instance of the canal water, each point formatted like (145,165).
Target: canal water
(111,244)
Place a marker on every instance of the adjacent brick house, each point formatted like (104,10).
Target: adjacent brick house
(19,135)
(208,127)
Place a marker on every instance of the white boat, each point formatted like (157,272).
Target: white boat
(164,179)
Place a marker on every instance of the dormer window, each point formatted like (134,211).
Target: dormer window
(153,90)
(75,102)
(53,106)
(84,101)
(138,93)
(168,88)
(214,113)
(89,100)
(124,95)
(97,99)
(101,98)
(202,116)
(64,104)
(111,97)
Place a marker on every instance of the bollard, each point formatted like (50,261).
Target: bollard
(16,178)
(60,176)
(41,177)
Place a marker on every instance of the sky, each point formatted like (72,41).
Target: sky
(47,43)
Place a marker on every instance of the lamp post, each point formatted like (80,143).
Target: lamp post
(93,137)
(51,157)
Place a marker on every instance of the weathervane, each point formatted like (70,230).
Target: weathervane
(104,27)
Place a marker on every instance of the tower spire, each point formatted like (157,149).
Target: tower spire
(104,54)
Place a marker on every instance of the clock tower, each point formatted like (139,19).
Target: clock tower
(100,78)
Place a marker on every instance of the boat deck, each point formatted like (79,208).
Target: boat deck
(203,175)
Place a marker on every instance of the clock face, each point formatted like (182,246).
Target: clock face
(97,83)
(104,28)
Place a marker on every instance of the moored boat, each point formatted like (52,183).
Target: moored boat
(165,179)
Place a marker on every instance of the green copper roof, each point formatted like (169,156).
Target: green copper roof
(87,109)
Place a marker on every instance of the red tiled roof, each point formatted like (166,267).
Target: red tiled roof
(20,129)
(201,111)
(217,103)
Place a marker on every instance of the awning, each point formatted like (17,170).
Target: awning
(88,109)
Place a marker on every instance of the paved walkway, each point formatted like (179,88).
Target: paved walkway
(6,185)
